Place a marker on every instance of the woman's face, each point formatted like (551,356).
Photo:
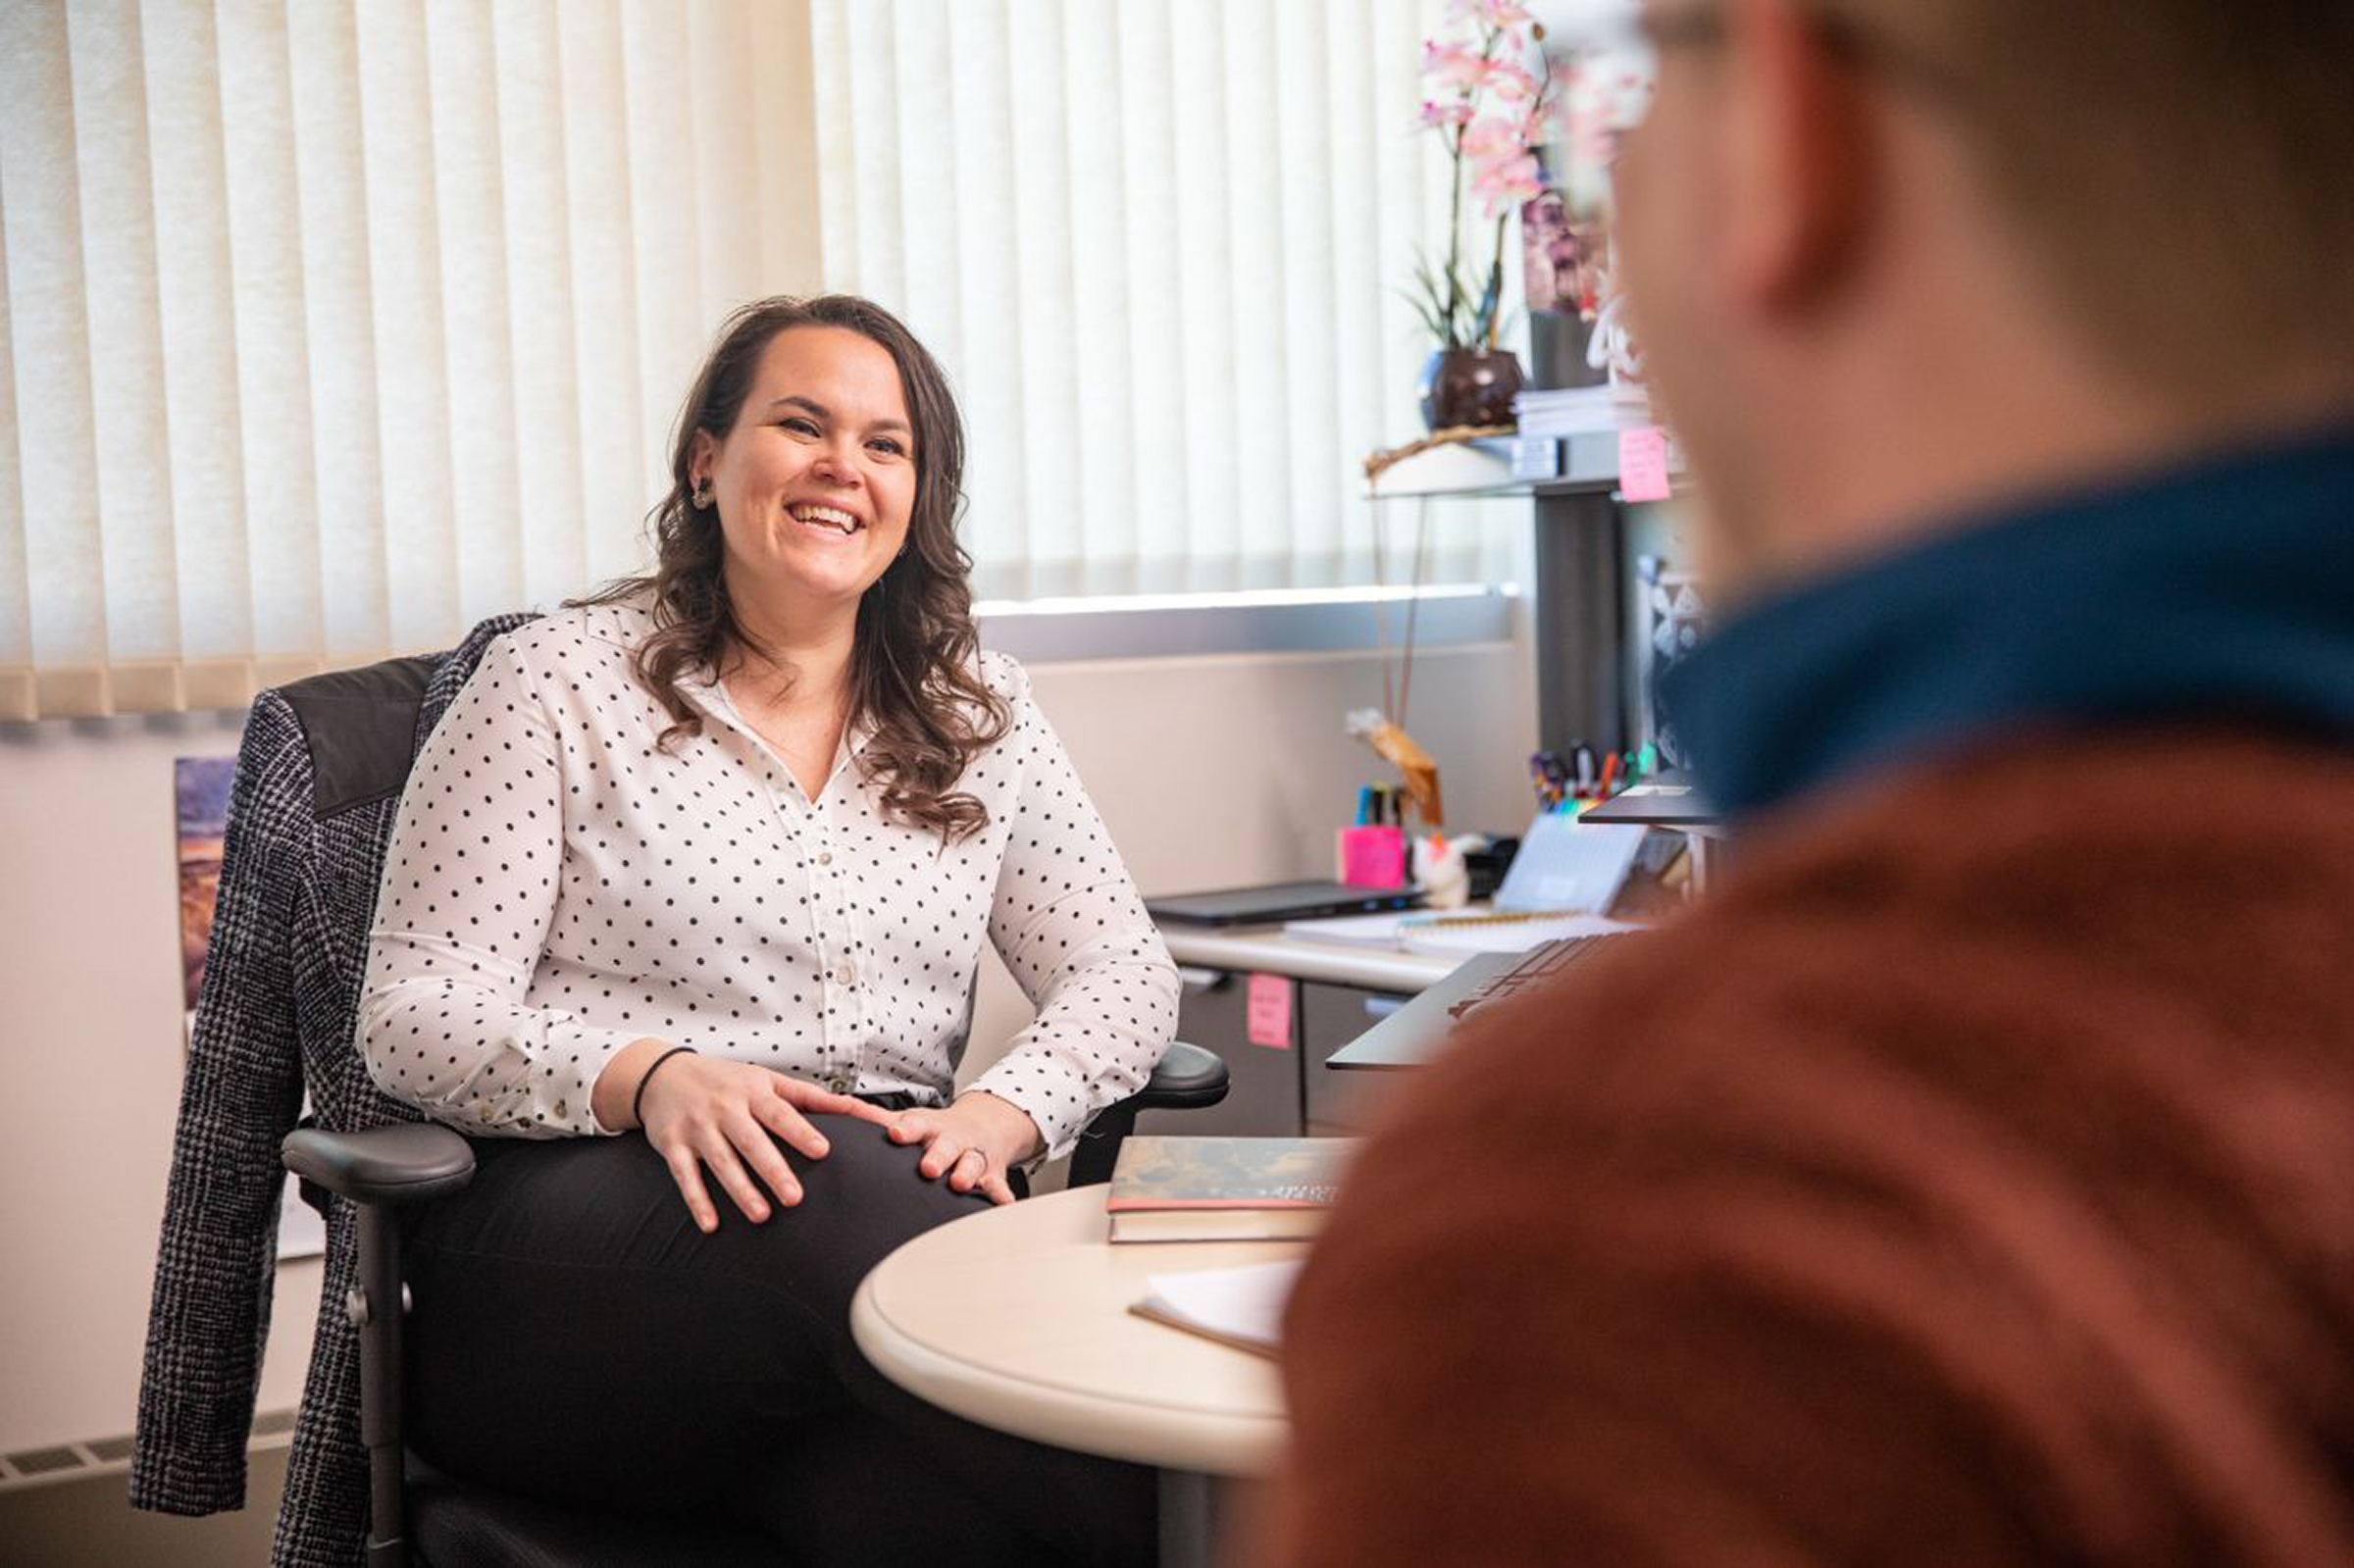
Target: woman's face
(816,480)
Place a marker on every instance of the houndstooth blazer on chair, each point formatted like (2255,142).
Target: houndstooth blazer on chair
(317,780)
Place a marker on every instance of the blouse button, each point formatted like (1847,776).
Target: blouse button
(825,857)
(843,975)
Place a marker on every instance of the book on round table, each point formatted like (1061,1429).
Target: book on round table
(1224,1188)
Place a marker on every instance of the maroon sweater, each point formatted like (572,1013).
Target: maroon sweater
(1972,1180)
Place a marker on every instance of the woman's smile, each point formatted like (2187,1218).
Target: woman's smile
(828,520)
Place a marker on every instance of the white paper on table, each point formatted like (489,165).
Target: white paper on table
(1354,930)
(1243,1304)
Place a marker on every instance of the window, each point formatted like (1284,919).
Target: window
(1159,246)
(328,330)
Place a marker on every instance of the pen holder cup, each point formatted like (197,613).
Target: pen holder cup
(1371,857)
(1488,866)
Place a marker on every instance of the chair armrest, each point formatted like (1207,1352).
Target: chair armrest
(400,1164)
(1188,1078)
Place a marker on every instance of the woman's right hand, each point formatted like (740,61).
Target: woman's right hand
(708,1111)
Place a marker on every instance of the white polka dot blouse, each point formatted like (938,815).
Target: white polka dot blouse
(558,886)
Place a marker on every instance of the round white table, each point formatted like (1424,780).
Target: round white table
(1018,1318)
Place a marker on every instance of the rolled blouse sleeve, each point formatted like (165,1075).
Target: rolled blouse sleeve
(1070,925)
(468,890)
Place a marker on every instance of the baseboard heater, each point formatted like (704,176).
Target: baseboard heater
(76,1461)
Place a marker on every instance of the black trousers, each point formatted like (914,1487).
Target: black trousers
(576,1339)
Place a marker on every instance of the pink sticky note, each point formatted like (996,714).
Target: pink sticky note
(1642,464)
(1373,858)
(1268,1010)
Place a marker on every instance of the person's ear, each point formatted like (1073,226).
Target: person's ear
(701,454)
(1798,135)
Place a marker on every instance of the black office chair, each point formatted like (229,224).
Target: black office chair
(380,1169)
(318,778)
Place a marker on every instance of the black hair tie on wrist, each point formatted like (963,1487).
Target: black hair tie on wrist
(638,1099)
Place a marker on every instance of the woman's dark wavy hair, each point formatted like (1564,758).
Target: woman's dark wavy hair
(912,671)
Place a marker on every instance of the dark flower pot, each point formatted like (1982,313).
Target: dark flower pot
(1469,387)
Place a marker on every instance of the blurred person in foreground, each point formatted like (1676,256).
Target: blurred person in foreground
(1970,1179)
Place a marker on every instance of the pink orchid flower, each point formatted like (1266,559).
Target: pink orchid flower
(1514,83)
(1490,13)
(1491,139)
(1456,113)
(1453,65)
(1508,183)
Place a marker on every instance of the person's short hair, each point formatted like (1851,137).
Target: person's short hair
(2182,171)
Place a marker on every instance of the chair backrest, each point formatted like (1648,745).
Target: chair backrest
(360,727)
(361,730)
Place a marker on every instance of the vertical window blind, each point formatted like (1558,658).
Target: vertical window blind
(332,327)
(328,328)
(1160,246)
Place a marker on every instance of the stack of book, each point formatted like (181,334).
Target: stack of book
(1581,435)
(1224,1188)
(1574,411)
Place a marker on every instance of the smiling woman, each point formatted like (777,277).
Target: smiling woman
(706,865)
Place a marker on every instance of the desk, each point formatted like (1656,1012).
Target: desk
(1265,948)
(1018,1318)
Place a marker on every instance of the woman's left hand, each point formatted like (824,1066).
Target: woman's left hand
(973,1142)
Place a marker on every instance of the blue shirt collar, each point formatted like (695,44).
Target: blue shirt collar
(2227,588)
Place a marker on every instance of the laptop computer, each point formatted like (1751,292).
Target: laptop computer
(1278,902)
(1412,1035)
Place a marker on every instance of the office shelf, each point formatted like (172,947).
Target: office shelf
(1581,459)
(1581,559)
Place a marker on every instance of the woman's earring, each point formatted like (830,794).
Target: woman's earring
(701,497)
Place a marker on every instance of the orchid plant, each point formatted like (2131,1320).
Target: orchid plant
(1489,108)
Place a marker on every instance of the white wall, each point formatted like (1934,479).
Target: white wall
(89,1068)
(1211,772)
